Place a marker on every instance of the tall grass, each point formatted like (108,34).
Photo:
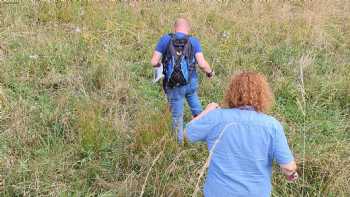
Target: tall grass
(80,117)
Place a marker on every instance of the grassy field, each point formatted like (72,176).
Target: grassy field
(80,117)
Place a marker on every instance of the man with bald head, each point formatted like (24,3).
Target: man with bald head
(179,52)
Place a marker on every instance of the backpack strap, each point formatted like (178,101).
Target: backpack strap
(189,54)
(171,47)
(166,53)
(165,58)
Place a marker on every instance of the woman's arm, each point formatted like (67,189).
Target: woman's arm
(283,155)
(290,167)
(200,126)
(210,107)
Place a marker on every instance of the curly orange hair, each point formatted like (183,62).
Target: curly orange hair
(249,89)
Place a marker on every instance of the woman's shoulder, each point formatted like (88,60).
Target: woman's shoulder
(225,114)
(243,115)
(269,118)
(250,115)
(216,115)
(272,122)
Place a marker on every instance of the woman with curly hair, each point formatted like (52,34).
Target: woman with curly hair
(243,141)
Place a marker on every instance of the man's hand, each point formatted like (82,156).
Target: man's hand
(156,58)
(157,65)
(210,74)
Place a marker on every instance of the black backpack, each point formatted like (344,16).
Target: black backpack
(178,61)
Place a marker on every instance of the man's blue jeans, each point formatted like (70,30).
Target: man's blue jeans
(176,97)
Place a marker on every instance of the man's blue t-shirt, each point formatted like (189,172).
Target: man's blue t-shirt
(163,43)
(246,144)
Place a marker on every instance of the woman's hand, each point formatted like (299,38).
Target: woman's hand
(211,106)
(289,170)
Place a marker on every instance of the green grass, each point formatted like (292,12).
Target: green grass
(80,117)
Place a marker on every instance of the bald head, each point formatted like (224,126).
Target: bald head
(182,25)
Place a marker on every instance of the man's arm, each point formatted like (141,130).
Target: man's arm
(156,58)
(160,50)
(202,63)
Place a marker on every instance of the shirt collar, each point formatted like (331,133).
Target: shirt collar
(180,33)
(246,107)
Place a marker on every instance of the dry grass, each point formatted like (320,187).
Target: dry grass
(79,115)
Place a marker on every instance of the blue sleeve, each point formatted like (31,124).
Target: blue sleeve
(196,45)
(281,151)
(198,130)
(162,44)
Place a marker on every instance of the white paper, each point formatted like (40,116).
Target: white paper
(157,73)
